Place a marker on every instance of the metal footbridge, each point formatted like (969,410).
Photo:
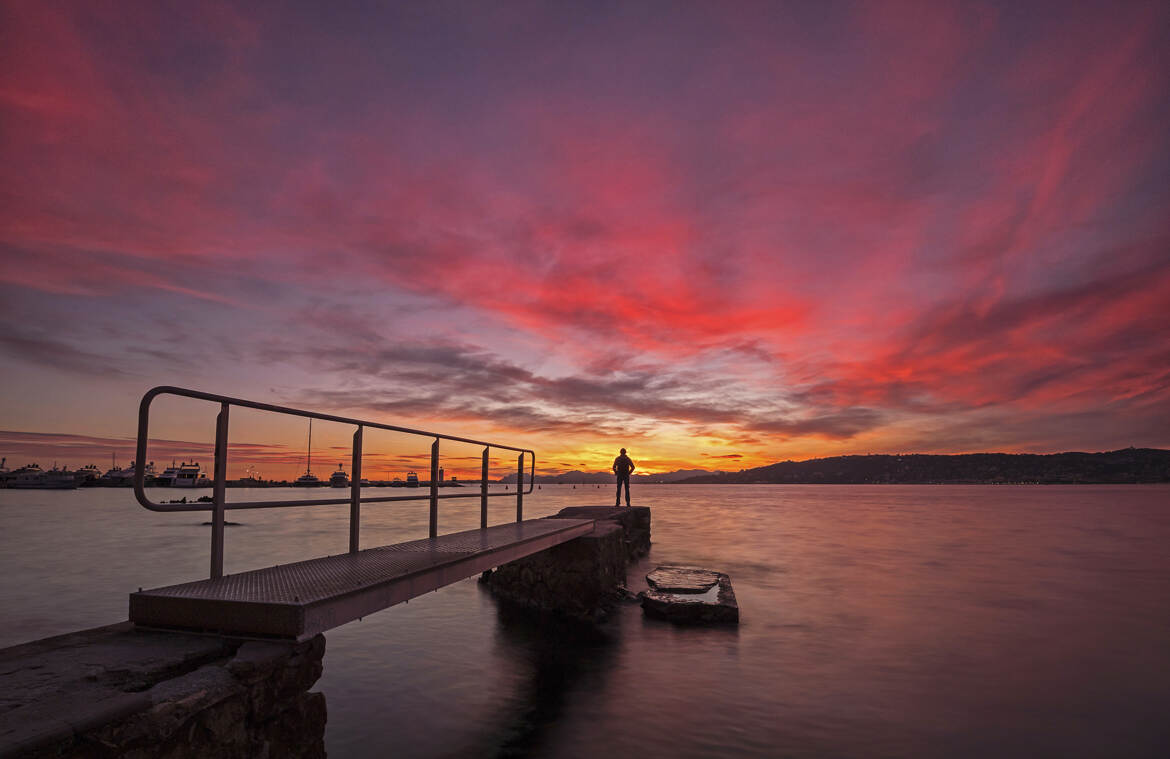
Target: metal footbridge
(302,599)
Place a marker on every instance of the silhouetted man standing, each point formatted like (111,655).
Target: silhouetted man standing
(622,466)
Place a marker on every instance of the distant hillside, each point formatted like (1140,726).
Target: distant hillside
(591,478)
(1127,465)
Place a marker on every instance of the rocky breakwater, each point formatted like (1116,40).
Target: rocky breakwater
(689,595)
(583,578)
(124,692)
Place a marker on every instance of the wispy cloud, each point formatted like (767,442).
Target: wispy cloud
(57,355)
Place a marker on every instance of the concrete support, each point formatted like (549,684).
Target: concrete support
(583,578)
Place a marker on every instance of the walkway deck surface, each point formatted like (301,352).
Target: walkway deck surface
(302,599)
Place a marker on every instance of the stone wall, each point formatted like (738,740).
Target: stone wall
(119,691)
(582,578)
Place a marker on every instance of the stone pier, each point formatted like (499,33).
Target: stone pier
(127,692)
(583,578)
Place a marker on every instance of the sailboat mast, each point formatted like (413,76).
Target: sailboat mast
(309,460)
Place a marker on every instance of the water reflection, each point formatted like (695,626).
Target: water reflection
(557,658)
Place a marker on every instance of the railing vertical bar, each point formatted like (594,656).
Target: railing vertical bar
(520,488)
(435,488)
(355,492)
(483,495)
(219,491)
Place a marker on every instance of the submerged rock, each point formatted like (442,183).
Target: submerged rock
(689,595)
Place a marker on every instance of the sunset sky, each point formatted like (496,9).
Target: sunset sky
(717,234)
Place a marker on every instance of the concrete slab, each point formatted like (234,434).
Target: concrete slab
(686,595)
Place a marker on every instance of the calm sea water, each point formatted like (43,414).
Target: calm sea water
(876,621)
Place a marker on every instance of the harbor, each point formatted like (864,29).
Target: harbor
(187,475)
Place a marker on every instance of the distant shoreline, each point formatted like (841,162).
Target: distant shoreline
(1128,466)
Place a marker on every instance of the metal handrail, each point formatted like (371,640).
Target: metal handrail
(219,483)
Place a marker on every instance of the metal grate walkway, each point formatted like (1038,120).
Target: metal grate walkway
(302,599)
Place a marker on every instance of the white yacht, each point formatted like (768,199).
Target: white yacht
(339,479)
(188,476)
(118,477)
(88,474)
(32,477)
(167,478)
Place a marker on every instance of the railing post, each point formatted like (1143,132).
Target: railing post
(219,490)
(483,496)
(435,488)
(520,488)
(355,491)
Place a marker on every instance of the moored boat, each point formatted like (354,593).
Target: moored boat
(339,479)
(188,476)
(308,479)
(167,478)
(32,477)
(88,475)
(124,477)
